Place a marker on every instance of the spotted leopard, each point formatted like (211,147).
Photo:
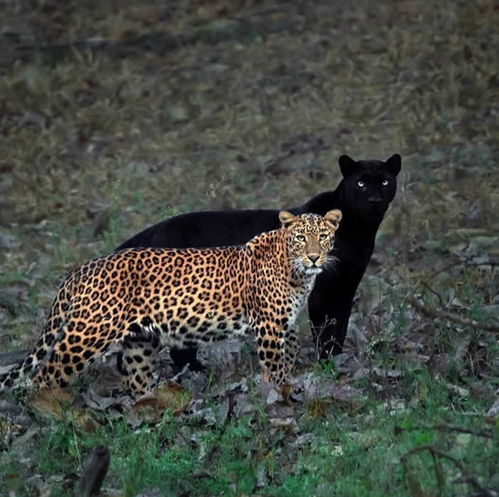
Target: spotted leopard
(144,299)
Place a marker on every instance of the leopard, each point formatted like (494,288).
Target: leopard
(140,300)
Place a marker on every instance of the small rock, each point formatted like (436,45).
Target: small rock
(493,413)
(289,425)
(8,241)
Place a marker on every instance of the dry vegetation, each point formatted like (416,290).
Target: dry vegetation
(251,107)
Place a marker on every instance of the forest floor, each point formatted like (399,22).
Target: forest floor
(116,115)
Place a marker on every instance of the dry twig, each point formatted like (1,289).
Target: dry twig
(94,471)
(467,476)
(441,427)
(451,316)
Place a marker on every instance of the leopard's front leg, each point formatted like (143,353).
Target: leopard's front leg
(271,353)
(291,349)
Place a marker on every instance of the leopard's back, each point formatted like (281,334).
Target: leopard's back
(161,296)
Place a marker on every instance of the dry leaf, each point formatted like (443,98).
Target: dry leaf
(51,402)
(151,407)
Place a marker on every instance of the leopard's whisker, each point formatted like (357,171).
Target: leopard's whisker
(331,264)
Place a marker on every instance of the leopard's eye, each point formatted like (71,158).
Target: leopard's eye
(323,236)
(361,184)
(300,238)
(384,182)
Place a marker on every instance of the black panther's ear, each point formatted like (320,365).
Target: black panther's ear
(393,164)
(347,165)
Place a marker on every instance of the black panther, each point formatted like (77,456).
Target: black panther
(363,196)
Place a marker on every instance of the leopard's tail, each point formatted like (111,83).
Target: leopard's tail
(21,373)
(12,377)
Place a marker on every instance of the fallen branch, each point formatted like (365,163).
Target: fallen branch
(467,476)
(94,471)
(12,358)
(479,433)
(451,316)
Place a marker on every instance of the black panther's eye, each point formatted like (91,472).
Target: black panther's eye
(384,182)
(361,184)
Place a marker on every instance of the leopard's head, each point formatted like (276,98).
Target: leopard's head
(310,238)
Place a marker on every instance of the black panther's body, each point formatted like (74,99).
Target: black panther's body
(363,196)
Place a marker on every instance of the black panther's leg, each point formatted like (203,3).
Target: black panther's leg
(329,308)
(181,357)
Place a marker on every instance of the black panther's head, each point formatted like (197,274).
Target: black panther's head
(369,185)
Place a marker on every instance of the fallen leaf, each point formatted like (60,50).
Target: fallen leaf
(387,373)
(52,402)
(288,425)
(151,407)
(316,387)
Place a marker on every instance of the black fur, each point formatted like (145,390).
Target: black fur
(363,200)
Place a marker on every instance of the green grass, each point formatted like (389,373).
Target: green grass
(341,453)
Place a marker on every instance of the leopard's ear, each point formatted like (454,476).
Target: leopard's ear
(347,165)
(333,217)
(393,164)
(286,218)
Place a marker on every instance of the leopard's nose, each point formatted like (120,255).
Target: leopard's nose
(313,257)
